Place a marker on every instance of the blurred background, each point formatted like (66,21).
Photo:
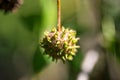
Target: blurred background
(97,23)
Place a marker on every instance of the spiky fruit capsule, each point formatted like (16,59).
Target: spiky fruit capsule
(60,44)
(10,5)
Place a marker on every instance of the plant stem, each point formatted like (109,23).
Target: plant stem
(59,14)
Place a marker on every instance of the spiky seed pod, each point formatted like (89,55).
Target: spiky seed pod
(10,5)
(60,44)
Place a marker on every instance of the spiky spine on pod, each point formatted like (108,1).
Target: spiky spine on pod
(10,5)
(60,44)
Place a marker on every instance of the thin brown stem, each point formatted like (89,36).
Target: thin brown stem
(59,14)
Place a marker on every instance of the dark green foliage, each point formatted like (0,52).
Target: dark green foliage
(38,61)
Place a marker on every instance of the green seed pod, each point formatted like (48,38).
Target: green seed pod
(60,44)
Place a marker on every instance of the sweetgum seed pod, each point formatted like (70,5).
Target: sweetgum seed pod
(10,5)
(60,44)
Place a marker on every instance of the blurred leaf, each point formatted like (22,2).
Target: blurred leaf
(38,61)
(75,65)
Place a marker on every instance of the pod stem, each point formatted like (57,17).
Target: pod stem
(59,15)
